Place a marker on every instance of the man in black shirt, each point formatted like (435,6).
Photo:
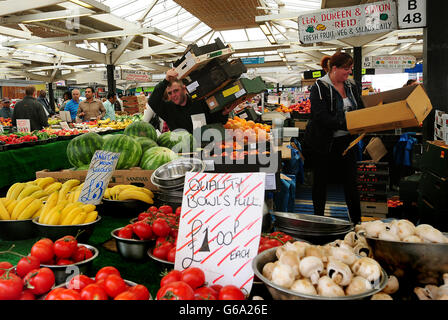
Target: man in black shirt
(179,107)
(29,108)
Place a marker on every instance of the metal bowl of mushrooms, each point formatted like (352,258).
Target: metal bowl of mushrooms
(300,271)
(417,253)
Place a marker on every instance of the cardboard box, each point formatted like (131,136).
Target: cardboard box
(248,114)
(435,158)
(374,208)
(441,118)
(376,149)
(400,108)
(134,104)
(135,176)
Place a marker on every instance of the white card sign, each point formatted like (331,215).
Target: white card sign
(411,14)
(101,168)
(220,226)
(65,116)
(23,125)
(64,125)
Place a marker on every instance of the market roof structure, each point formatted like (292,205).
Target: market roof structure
(52,40)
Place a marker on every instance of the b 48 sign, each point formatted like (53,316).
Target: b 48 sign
(411,14)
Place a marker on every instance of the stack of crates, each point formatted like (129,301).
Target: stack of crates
(373,184)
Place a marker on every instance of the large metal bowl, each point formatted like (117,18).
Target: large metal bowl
(54,232)
(172,174)
(318,238)
(417,263)
(17,229)
(311,223)
(280,293)
(162,262)
(131,249)
(61,273)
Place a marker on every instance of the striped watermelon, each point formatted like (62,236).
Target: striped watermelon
(130,150)
(155,157)
(107,137)
(146,143)
(178,140)
(81,149)
(141,129)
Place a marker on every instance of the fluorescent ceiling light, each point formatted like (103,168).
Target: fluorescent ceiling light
(82,3)
(265,29)
(271,39)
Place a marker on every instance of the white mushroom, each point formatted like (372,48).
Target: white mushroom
(368,269)
(381,296)
(279,251)
(267,270)
(373,228)
(297,246)
(326,287)
(360,227)
(358,285)
(315,251)
(388,235)
(351,238)
(362,249)
(430,234)
(412,238)
(291,259)
(283,275)
(405,228)
(311,267)
(339,272)
(346,256)
(392,285)
(303,286)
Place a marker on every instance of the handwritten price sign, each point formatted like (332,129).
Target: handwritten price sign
(23,125)
(101,168)
(220,226)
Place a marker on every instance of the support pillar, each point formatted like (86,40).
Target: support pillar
(111,87)
(357,65)
(51,98)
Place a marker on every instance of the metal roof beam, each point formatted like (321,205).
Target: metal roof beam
(13,6)
(132,55)
(45,16)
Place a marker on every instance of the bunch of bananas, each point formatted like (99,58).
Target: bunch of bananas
(129,192)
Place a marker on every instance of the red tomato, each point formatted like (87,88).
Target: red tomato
(82,253)
(263,247)
(193,276)
(43,252)
(171,256)
(161,240)
(64,262)
(26,264)
(172,276)
(126,295)
(67,294)
(53,294)
(178,211)
(160,227)
(273,243)
(10,286)
(114,285)
(162,250)
(39,281)
(125,233)
(142,229)
(230,292)
(216,287)
(174,232)
(166,209)
(153,209)
(205,293)
(106,271)
(65,247)
(79,282)
(93,292)
(177,290)
(144,215)
(46,241)
(140,292)
(5,265)
(27,295)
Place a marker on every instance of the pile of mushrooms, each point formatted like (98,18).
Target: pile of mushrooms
(337,269)
(401,230)
(433,292)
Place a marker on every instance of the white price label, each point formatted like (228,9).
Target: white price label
(270,181)
(23,125)
(411,14)
(64,125)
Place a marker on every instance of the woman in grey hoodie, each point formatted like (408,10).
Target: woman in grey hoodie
(326,135)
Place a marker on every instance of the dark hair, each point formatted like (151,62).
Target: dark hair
(324,63)
(110,95)
(410,82)
(340,60)
(68,94)
(91,88)
(179,82)
(30,90)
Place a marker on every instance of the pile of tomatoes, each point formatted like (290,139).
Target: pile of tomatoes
(107,285)
(159,224)
(189,284)
(272,240)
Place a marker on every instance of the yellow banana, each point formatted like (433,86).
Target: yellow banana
(11,190)
(147,191)
(27,191)
(6,202)
(38,212)
(21,206)
(91,216)
(88,208)
(79,219)
(45,182)
(17,189)
(55,186)
(70,216)
(48,209)
(4,214)
(54,216)
(30,210)
(39,194)
(107,193)
(12,205)
(76,195)
(67,210)
(136,195)
(70,184)
(52,199)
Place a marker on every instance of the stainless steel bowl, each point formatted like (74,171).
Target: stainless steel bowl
(164,262)
(419,263)
(130,248)
(280,293)
(82,231)
(61,273)
(17,229)
(172,174)
(311,223)
(318,238)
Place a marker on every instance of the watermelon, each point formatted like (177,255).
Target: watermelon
(107,137)
(81,149)
(156,157)
(130,150)
(178,141)
(141,129)
(146,143)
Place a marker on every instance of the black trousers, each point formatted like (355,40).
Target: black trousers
(344,168)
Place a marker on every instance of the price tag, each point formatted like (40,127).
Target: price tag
(220,226)
(1,129)
(64,125)
(23,125)
(101,168)
(65,116)
(198,120)
(270,181)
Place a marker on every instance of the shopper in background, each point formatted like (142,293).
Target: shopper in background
(410,82)
(177,111)
(118,105)
(324,63)
(91,108)
(44,101)
(326,135)
(30,108)
(66,98)
(6,110)
(73,104)
(109,106)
